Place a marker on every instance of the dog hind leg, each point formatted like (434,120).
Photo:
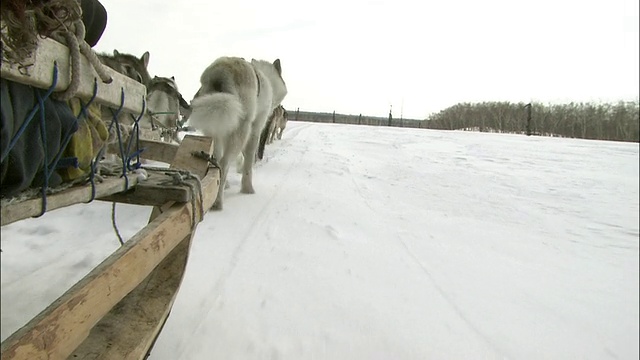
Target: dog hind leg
(247,170)
(223,162)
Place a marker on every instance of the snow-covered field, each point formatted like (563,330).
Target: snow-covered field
(384,243)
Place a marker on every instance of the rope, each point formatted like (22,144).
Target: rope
(73,36)
(136,130)
(210,158)
(92,179)
(74,52)
(47,172)
(43,134)
(117,124)
(24,21)
(181,177)
(113,222)
(165,130)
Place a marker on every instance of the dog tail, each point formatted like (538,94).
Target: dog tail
(216,114)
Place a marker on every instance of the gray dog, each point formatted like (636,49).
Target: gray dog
(232,106)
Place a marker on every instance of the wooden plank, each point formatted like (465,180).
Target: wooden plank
(78,194)
(158,150)
(58,330)
(154,191)
(40,75)
(149,194)
(185,161)
(131,327)
(142,312)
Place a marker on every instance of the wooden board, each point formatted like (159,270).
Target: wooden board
(63,326)
(154,191)
(158,150)
(128,330)
(131,327)
(75,195)
(150,192)
(185,161)
(40,75)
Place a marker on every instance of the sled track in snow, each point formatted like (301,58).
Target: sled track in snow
(262,216)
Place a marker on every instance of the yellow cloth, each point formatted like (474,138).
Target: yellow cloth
(85,144)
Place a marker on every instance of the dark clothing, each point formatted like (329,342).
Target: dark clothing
(23,166)
(94,17)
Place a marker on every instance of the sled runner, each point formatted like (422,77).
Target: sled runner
(119,308)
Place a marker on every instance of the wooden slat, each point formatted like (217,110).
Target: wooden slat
(153,191)
(63,326)
(158,150)
(57,331)
(60,328)
(200,167)
(183,159)
(40,75)
(130,328)
(78,194)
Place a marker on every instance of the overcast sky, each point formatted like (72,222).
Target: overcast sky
(421,57)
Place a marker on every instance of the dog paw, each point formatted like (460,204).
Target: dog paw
(247,190)
(217,206)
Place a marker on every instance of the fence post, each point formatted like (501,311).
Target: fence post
(297,110)
(334,116)
(528,128)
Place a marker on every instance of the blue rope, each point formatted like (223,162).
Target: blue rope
(92,179)
(43,134)
(56,163)
(73,161)
(136,130)
(115,120)
(83,108)
(94,161)
(31,114)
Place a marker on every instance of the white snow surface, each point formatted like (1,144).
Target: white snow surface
(383,243)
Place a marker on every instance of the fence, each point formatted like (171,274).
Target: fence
(354,119)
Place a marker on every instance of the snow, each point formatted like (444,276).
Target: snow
(376,243)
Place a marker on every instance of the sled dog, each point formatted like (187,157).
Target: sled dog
(164,105)
(282,124)
(269,131)
(129,65)
(232,106)
(136,69)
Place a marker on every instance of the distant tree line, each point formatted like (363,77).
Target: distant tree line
(603,121)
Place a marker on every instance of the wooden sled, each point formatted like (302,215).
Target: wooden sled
(119,308)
